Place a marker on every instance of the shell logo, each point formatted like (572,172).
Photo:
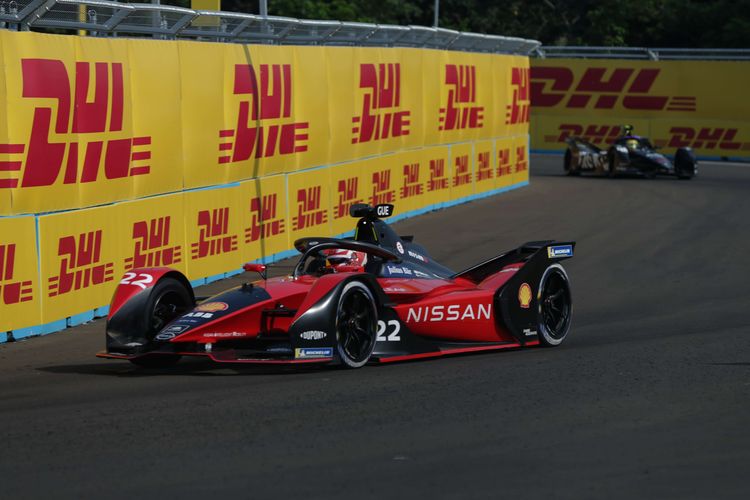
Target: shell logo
(212,307)
(524,295)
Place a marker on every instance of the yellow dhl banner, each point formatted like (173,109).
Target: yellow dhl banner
(697,104)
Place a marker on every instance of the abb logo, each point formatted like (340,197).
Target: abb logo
(348,190)
(504,166)
(213,235)
(551,86)
(264,218)
(522,163)
(309,211)
(80,264)
(484,166)
(76,116)
(271,100)
(152,245)
(12,292)
(595,134)
(458,112)
(380,117)
(381,188)
(462,174)
(703,138)
(518,110)
(438,175)
(412,186)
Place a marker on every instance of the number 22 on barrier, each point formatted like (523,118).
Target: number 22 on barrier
(393,336)
(142,281)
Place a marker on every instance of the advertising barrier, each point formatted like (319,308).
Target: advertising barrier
(697,104)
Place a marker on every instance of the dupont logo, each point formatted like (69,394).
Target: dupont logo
(703,138)
(75,114)
(309,209)
(522,163)
(411,186)
(595,134)
(381,117)
(484,166)
(213,234)
(381,188)
(269,100)
(12,291)
(348,195)
(504,165)
(152,246)
(438,175)
(460,111)
(81,264)
(265,220)
(518,110)
(462,174)
(603,88)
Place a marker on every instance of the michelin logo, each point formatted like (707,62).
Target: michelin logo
(556,252)
(323,352)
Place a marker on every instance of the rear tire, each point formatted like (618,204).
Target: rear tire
(356,325)
(613,161)
(555,306)
(568,164)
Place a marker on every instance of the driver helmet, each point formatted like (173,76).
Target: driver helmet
(631,144)
(346,260)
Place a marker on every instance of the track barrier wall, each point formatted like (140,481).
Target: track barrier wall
(123,153)
(686,103)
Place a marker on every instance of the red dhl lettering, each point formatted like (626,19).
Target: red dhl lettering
(550,86)
(412,186)
(213,234)
(271,100)
(80,264)
(264,221)
(438,178)
(309,212)
(462,175)
(458,113)
(595,134)
(11,291)
(151,245)
(503,162)
(518,109)
(381,188)
(49,79)
(381,98)
(484,166)
(703,138)
(522,163)
(348,190)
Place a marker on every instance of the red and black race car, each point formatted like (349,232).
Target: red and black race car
(376,297)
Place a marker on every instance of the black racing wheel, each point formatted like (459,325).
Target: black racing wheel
(555,306)
(356,324)
(613,163)
(568,164)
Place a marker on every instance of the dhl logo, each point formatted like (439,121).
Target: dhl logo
(462,175)
(595,134)
(272,100)
(382,97)
(80,264)
(703,138)
(264,218)
(381,188)
(522,163)
(151,244)
(458,112)
(309,211)
(348,191)
(412,186)
(76,116)
(504,165)
(11,291)
(484,166)
(552,86)
(438,175)
(518,110)
(213,234)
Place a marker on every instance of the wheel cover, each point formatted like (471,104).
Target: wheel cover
(355,324)
(556,305)
(168,305)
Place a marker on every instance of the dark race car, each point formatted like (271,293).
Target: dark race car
(374,297)
(628,155)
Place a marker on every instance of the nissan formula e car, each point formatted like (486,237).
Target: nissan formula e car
(376,297)
(629,155)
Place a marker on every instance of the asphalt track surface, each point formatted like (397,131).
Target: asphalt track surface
(648,398)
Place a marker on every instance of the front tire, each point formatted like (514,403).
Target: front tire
(568,164)
(555,306)
(356,325)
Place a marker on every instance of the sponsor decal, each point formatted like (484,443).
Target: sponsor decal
(399,247)
(212,307)
(438,175)
(518,110)
(453,312)
(81,265)
(310,353)
(703,138)
(151,245)
(265,219)
(213,236)
(12,291)
(205,315)
(398,270)
(522,163)
(224,335)
(348,191)
(309,209)
(504,166)
(381,101)
(528,332)
(313,335)
(484,167)
(595,134)
(171,332)
(412,186)
(524,295)
(558,251)
(462,175)
(382,193)
(417,256)
(420,274)
(460,111)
